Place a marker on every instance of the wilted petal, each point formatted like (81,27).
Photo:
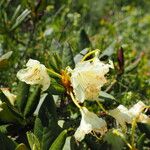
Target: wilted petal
(89,122)
(35,73)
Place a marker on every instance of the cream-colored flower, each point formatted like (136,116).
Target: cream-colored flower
(136,111)
(87,79)
(11,97)
(123,115)
(89,122)
(35,73)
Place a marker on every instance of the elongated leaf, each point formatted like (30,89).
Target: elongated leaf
(22,95)
(8,115)
(3,129)
(20,19)
(32,101)
(144,128)
(114,141)
(109,50)
(67,56)
(84,40)
(16,13)
(46,128)
(21,147)
(140,142)
(53,63)
(55,88)
(133,65)
(33,141)
(60,141)
(106,95)
(6,143)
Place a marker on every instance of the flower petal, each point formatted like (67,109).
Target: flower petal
(89,122)
(35,73)
(87,79)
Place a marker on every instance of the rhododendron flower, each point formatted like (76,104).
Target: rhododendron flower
(123,115)
(136,111)
(35,73)
(87,79)
(89,122)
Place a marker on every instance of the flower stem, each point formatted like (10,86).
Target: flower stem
(132,132)
(74,100)
(101,106)
(90,53)
(123,138)
(54,73)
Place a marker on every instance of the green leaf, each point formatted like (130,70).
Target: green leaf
(109,50)
(33,141)
(140,142)
(6,143)
(114,141)
(133,65)
(59,141)
(21,147)
(8,115)
(22,95)
(84,40)
(32,101)
(54,64)
(67,56)
(16,13)
(55,88)
(41,5)
(3,129)
(46,128)
(106,95)
(20,19)
(144,128)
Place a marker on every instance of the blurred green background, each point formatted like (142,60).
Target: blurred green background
(41,29)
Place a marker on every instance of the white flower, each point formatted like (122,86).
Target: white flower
(136,111)
(35,73)
(11,97)
(123,115)
(87,79)
(89,122)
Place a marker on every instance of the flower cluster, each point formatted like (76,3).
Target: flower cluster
(123,115)
(82,83)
